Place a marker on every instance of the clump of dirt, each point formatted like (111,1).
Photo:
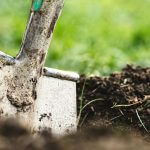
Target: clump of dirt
(13,136)
(121,98)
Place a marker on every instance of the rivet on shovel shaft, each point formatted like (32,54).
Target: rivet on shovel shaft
(37,4)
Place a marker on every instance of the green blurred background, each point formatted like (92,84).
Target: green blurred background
(92,36)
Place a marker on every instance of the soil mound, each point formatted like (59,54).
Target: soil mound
(13,136)
(119,99)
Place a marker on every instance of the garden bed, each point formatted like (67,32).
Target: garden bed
(121,99)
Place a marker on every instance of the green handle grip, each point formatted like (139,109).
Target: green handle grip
(37,4)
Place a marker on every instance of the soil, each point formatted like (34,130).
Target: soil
(13,136)
(119,100)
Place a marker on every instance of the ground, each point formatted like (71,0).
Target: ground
(120,100)
(14,136)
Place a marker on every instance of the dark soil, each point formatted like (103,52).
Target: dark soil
(121,99)
(13,136)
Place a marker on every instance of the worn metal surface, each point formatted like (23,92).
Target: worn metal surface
(55,107)
(63,75)
(51,104)
(6,59)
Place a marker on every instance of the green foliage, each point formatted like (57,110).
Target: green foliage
(92,36)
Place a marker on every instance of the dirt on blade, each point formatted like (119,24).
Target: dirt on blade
(119,99)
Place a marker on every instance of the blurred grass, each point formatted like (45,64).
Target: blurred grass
(92,36)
